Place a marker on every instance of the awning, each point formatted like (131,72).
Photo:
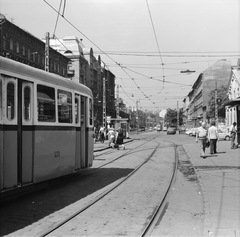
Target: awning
(234,102)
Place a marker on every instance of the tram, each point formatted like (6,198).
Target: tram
(46,125)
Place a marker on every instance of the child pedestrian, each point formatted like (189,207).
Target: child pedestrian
(119,138)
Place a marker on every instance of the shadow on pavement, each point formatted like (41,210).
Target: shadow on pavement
(26,210)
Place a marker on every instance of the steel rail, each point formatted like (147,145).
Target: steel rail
(100,196)
(159,211)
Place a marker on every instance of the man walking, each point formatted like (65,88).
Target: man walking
(233,131)
(201,136)
(213,137)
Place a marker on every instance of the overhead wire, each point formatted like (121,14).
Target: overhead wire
(155,35)
(58,12)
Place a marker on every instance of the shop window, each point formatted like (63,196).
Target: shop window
(10,101)
(46,104)
(64,106)
(27,103)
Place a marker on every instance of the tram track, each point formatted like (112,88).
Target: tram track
(49,229)
(154,216)
(102,195)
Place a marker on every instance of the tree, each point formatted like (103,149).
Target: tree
(222,97)
(171,117)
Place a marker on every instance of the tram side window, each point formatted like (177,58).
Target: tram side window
(64,106)
(27,103)
(10,101)
(76,110)
(90,112)
(82,109)
(46,104)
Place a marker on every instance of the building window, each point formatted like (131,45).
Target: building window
(11,44)
(17,47)
(10,101)
(4,42)
(29,54)
(46,103)
(23,50)
(64,106)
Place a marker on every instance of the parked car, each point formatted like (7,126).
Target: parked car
(171,130)
(224,135)
(142,129)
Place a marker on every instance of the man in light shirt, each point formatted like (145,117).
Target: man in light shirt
(213,137)
(233,131)
(201,137)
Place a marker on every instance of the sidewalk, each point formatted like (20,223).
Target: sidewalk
(219,179)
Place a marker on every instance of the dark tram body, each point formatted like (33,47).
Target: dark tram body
(46,125)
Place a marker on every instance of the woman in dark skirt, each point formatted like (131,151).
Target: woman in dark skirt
(119,139)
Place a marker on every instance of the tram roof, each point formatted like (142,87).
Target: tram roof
(23,71)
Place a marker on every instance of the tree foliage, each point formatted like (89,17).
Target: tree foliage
(171,117)
(222,95)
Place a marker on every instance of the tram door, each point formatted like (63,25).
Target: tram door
(25,133)
(83,140)
(17,133)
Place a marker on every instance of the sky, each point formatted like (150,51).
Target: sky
(144,43)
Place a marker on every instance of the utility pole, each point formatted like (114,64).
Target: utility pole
(216,105)
(104,98)
(137,115)
(117,110)
(47,53)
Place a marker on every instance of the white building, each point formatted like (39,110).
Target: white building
(233,109)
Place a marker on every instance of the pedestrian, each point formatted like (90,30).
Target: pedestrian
(111,137)
(233,131)
(119,139)
(101,134)
(201,137)
(213,137)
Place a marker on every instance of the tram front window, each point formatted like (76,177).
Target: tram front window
(46,104)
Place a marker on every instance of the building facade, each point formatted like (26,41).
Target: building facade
(23,47)
(233,108)
(198,98)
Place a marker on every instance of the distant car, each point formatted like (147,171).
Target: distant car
(171,130)
(158,128)
(188,132)
(224,135)
(194,131)
(142,129)
(164,128)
